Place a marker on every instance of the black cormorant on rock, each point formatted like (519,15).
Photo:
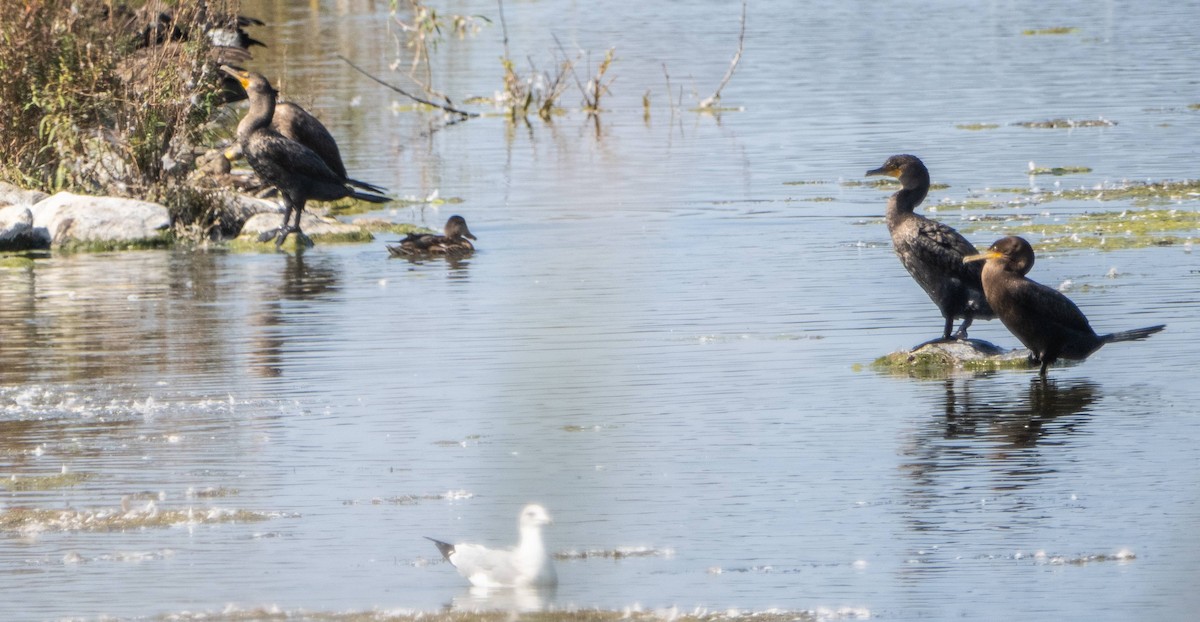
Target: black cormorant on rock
(931,251)
(294,122)
(1042,318)
(294,169)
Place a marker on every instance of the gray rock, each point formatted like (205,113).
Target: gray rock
(17,232)
(12,195)
(315,226)
(240,208)
(67,219)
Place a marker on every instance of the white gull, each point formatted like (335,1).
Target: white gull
(526,564)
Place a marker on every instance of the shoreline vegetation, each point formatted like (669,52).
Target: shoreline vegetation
(104,101)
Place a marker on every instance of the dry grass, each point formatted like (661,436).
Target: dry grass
(87,107)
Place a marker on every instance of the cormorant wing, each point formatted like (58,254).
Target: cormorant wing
(942,246)
(299,160)
(1048,305)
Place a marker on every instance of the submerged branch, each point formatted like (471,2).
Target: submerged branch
(420,100)
(737,57)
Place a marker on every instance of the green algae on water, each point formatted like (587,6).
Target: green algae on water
(1057,30)
(885,183)
(232,614)
(44,482)
(1060,170)
(24,520)
(1066,123)
(1107,230)
(975,127)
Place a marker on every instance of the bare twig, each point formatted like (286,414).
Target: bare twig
(670,102)
(503,27)
(578,83)
(446,107)
(716,96)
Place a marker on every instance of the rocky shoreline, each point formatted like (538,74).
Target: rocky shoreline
(31,221)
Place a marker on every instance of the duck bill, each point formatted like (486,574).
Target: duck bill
(982,256)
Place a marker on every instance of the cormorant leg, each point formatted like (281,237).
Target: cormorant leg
(300,235)
(273,233)
(285,228)
(1042,373)
(949,327)
(962,330)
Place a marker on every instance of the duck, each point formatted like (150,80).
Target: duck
(455,243)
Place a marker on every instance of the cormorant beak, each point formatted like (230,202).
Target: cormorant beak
(884,170)
(984,256)
(242,76)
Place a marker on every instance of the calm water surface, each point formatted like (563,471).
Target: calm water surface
(661,339)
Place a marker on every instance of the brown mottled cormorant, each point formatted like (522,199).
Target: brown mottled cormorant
(294,122)
(1042,318)
(453,244)
(931,251)
(295,170)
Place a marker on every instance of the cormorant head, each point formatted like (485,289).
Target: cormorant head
(907,168)
(254,83)
(456,228)
(1014,253)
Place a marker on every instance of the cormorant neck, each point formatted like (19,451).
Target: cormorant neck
(262,109)
(907,199)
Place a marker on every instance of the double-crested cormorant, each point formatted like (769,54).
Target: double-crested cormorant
(295,170)
(294,122)
(453,244)
(1043,319)
(932,252)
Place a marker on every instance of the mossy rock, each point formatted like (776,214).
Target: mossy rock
(15,262)
(942,359)
(320,231)
(165,239)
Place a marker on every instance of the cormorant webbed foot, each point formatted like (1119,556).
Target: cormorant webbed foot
(266,236)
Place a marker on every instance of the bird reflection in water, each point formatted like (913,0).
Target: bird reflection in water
(988,429)
(513,600)
(458,266)
(1020,422)
(302,281)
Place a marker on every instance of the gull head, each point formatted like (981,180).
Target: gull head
(534,516)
